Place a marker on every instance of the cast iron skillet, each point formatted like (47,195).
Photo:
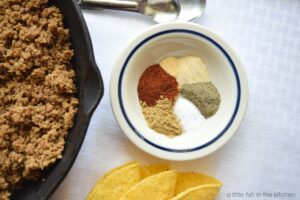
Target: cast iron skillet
(90,91)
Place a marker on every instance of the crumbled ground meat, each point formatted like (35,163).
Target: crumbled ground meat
(37,103)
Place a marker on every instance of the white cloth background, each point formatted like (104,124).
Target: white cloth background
(264,155)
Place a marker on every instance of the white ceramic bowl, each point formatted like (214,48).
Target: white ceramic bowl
(225,70)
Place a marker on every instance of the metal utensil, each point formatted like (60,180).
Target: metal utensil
(190,10)
(159,10)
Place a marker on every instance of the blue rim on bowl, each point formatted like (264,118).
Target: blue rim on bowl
(228,59)
(239,101)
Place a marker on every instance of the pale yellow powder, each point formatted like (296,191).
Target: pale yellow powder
(188,69)
(161,118)
(170,65)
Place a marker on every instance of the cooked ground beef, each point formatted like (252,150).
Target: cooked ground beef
(37,103)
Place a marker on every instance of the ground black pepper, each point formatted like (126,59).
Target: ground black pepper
(204,95)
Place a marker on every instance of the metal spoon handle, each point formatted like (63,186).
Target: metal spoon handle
(111,4)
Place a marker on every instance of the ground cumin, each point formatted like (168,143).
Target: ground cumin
(161,118)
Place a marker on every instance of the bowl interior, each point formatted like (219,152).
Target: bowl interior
(180,44)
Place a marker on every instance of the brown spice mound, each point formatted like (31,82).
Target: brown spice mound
(37,103)
(161,118)
(155,83)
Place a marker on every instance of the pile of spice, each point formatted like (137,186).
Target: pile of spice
(177,95)
(157,92)
(188,113)
(194,82)
(204,95)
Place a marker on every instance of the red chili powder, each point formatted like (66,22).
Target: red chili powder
(154,83)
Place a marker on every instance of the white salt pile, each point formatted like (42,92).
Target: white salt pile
(190,118)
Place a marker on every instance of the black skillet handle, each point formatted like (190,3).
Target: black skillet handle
(93,89)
